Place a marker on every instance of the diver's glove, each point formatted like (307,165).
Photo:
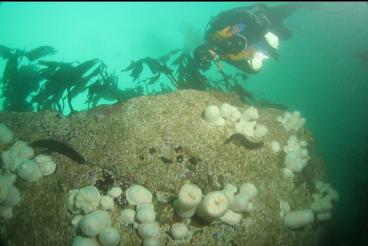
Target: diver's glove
(272,40)
(257,61)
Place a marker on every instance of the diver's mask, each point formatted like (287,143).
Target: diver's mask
(234,44)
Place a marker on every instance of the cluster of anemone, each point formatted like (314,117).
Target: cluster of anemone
(143,216)
(91,215)
(19,160)
(228,115)
(227,204)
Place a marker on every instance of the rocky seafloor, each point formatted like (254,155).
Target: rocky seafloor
(162,142)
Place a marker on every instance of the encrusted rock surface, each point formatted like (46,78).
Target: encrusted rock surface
(161,142)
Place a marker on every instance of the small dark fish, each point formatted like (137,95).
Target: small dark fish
(194,160)
(152,150)
(180,158)
(166,160)
(59,147)
(240,139)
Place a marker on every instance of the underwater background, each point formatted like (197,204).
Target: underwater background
(319,72)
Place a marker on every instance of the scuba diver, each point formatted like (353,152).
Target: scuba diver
(245,36)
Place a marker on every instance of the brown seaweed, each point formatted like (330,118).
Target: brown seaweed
(240,139)
(55,146)
(40,52)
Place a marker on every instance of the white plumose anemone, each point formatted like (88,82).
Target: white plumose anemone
(109,237)
(137,194)
(190,196)
(179,231)
(213,206)
(93,223)
(212,115)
